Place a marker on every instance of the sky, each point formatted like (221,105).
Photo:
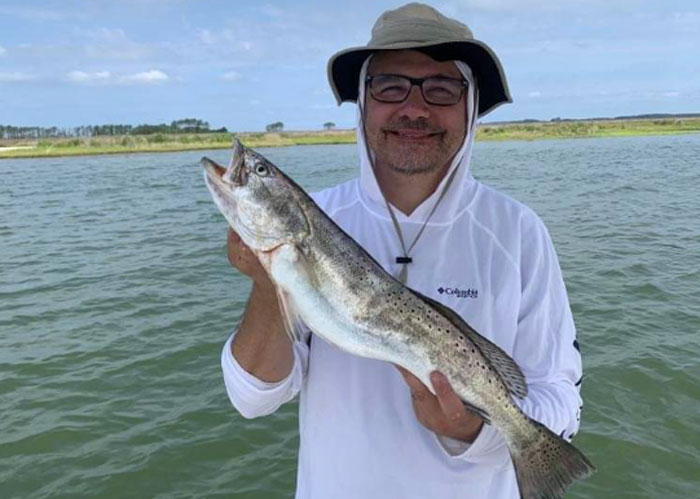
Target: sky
(245,64)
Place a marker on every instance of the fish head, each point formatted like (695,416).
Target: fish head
(259,202)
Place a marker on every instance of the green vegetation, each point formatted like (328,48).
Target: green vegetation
(277,126)
(565,129)
(186,125)
(163,141)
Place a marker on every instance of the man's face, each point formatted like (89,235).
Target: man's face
(412,136)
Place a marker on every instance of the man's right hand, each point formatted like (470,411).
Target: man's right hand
(242,258)
(261,345)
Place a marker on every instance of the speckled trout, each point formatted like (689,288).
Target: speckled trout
(328,282)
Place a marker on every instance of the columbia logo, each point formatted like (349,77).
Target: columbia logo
(459,293)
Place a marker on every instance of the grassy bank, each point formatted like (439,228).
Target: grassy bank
(181,142)
(165,143)
(587,128)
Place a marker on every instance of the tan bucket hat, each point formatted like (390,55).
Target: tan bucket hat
(419,26)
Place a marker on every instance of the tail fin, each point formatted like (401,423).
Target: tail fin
(547,464)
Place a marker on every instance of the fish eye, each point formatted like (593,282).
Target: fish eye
(261,170)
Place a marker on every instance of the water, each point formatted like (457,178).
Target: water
(116,297)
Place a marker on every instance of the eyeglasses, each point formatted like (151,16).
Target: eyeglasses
(437,90)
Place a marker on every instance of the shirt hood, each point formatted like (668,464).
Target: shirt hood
(453,201)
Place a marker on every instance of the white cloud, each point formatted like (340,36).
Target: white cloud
(114,43)
(147,77)
(2,50)
(14,76)
(103,34)
(153,76)
(535,94)
(206,36)
(88,77)
(671,94)
(231,76)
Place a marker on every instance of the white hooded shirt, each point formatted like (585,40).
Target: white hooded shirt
(485,256)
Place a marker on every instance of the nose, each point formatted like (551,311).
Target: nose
(414,106)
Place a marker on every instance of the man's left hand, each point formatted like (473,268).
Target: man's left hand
(443,413)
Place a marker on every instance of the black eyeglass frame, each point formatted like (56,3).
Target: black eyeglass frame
(416,82)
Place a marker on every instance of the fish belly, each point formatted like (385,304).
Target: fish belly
(334,324)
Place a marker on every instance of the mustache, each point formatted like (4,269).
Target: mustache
(406,124)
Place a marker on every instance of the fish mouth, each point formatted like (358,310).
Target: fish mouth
(233,176)
(213,169)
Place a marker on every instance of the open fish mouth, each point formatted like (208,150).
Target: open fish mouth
(213,169)
(221,189)
(235,175)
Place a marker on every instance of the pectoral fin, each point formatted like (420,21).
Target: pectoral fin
(289,264)
(293,325)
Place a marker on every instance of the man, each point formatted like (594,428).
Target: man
(368,430)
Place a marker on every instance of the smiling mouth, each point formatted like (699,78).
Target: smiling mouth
(412,134)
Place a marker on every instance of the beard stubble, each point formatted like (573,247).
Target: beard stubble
(409,158)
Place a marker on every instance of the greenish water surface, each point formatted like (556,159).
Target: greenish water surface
(116,298)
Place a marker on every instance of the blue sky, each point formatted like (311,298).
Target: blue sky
(246,64)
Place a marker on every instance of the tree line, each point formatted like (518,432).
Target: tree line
(278,126)
(186,125)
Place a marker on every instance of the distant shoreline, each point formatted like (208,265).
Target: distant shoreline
(526,130)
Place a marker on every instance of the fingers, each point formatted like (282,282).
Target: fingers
(236,249)
(444,413)
(418,390)
(425,404)
(232,252)
(449,401)
(241,257)
(232,237)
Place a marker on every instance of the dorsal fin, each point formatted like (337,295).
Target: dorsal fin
(505,366)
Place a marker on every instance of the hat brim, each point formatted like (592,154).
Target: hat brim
(344,69)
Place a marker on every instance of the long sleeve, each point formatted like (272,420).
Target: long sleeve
(545,348)
(253,397)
